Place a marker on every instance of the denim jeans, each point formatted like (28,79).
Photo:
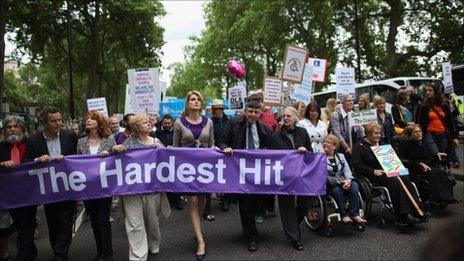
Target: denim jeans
(436,142)
(353,199)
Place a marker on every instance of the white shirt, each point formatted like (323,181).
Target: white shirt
(316,133)
(94,149)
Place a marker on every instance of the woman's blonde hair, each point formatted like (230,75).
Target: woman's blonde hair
(364,97)
(135,123)
(377,100)
(330,105)
(200,97)
(333,139)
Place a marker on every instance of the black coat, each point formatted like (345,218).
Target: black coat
(234,134)
(165,136)
(423,119)
(363,160)
(300,138)
(37,146)
(412,153)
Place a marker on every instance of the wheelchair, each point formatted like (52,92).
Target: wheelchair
(323,213)
(379,195)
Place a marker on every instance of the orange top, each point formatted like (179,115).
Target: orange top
(435,124)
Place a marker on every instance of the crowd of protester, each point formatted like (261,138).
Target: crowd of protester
(421,129)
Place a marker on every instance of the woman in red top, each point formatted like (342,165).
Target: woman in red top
(434,117)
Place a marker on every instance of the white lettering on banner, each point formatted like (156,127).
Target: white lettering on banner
(163,172)
(362,117)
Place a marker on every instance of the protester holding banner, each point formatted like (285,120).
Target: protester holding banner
(12,151)
(142,212)
(423,163)
(120,137)
(52,144)
(434,116)
(98,141)
(194,130)
(292,208)
(366,164)
(316,128)
(340,181)
(384,119)
(246,132)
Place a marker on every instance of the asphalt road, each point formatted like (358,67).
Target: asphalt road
(224,239)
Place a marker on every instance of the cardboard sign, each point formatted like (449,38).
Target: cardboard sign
(237,95)
(294,63)
(345,81)
(362,117)
(447,77)
(319,67)
(389,161)
(144,90)
(272,91)
(302,92)
(97,104)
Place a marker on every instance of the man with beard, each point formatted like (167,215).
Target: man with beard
(12,152)
(52,144)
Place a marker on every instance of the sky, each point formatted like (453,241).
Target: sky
(182,19)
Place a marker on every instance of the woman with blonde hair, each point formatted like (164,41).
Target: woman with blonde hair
(194,130)
(329,108)
(301,108)
(142,212)
(364,102)
(384,119)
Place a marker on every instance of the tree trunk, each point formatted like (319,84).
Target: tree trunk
(395,19)
(3,12)
(94,57)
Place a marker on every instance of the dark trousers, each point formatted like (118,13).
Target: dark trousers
(353,198)
(440,186)
(25,222)
(174,199)
(99,211)
(400,200)
(292,211)
(60,218)
(267,203)
(207,209)
(248,206)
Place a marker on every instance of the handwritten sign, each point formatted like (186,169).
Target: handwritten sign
(97,104)
(389,161)
(145,91)
(362,117)
(272,91)
(345,81)
(294,63)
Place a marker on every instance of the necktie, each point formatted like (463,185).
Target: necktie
(15,157)
(251,141)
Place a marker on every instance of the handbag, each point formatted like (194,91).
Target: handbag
(397,130)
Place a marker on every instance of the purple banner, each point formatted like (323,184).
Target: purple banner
(81,177)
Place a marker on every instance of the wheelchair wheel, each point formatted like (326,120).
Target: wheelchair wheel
(366,195)
(316,215)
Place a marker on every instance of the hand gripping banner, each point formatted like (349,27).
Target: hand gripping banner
(185,170)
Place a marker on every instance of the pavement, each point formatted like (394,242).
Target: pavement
(225,242)
(459,172)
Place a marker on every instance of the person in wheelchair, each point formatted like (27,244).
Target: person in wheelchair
(423,163)
(366,164)
(340,181)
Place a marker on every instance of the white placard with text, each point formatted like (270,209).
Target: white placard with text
(302,92)
(272,92)
(447,77)
(319,67)
(97,104)
(345,81)
(294,62)
(237,95)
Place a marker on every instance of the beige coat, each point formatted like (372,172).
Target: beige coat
(183,137)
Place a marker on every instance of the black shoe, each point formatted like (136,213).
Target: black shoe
(296,244)
(410,220)
(252,246)
(179,206)
(200,257)
(224,207)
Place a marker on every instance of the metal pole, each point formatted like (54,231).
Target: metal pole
(71,91)
(356,25)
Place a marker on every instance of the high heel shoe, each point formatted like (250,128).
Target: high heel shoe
(200,257)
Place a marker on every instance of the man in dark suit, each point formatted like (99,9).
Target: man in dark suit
(12,151)
(246,132)
(54,143)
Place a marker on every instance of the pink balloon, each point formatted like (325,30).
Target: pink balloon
(236,69)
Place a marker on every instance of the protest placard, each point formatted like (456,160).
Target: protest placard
(447,77)
(97,104)
(127,101)
(345,81)
(272,91)
(295,58)
(302,92)
(237,95)
(145,91)
(363,117)
(389,161)
(319,67)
